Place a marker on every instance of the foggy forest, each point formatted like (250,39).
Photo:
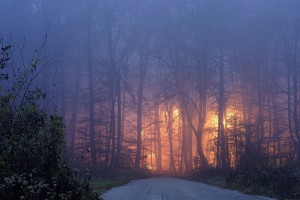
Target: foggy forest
(98,90)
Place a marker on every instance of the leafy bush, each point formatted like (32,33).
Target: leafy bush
(281,182)
(31,143)
(278,182)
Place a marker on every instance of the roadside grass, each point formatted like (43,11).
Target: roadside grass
(223,182)
(252,189)
(217,180)
(280,183)
(101,185)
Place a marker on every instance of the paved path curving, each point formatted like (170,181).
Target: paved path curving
(173,189)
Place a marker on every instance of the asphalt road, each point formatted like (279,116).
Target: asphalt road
(173,189)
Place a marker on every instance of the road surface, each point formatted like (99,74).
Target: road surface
(173,189)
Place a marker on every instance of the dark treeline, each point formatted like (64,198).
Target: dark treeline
(169,85)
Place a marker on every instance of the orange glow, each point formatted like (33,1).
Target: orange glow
(175,113)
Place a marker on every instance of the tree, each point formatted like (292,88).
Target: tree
(32,142)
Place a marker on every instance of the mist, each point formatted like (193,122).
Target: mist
(164,87)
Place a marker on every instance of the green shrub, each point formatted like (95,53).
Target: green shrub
(283,182)
(278,182)
(31,144)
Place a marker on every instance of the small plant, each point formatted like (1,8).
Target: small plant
(31,144)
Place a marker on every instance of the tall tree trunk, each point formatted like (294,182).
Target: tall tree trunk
(269,129)
(155,145)
(158,139)
(189,146)
(112,120)
(295,88)
(119,133)
(246,162)
(143,57)
(292,84)
(260,121)
(91,87)
(108,140)
(236,142)
(122,122)
(276,130)
(170,120)
(201,115)
(185,145)
(179,143)
(63,93)
(221,116)
(63,99)
(202,87)
(199,131)
(139,116)
(113,76)
(151,147)
(74,115)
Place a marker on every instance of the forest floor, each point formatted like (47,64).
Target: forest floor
(101,185)
(173,189)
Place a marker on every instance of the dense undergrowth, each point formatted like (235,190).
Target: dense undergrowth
(101,185)
(106,181)
(281,183)
(31,143)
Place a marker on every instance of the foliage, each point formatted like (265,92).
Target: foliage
(31,143)
(4,59)
(283,182)
(278,182)
(100,185)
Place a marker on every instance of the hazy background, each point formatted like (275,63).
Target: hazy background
(166,85)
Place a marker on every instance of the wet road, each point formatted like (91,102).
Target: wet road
(173,189)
